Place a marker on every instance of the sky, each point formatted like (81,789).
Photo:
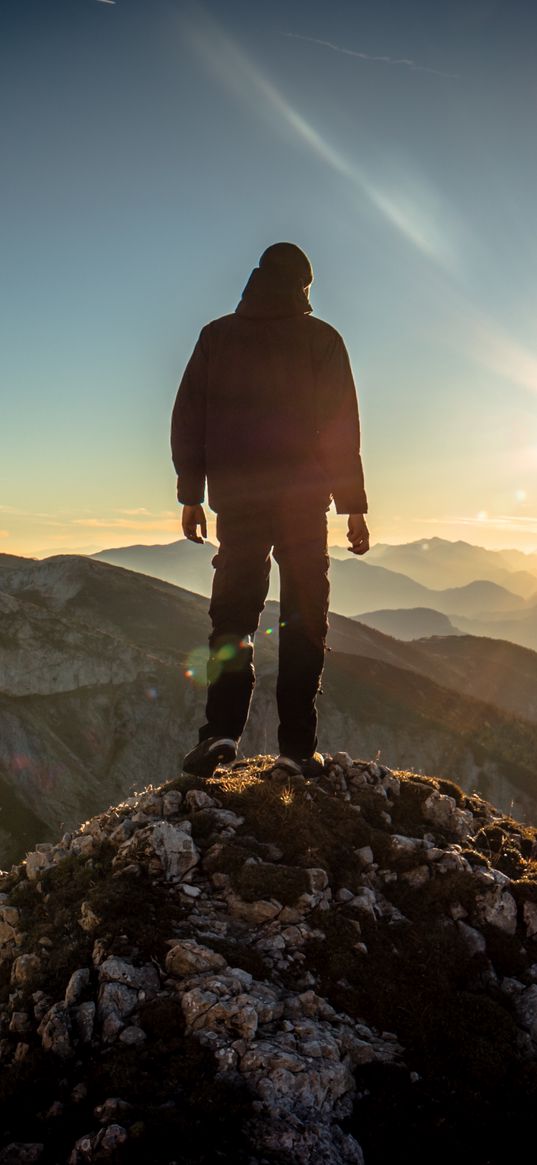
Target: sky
(152,149)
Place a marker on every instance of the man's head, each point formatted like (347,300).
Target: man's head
(288,259)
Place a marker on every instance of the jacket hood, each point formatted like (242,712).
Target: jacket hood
(273,292)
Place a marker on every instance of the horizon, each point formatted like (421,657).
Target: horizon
(391,144)
(89,552)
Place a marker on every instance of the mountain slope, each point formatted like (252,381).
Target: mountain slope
(103,686)
(414,623)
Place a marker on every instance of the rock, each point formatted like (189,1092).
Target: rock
(364,856)
(171,845)
(20,1022)
(171,803)
(76,986)
(343,760)
(443,812)
(113,1106)
(529,913)
(55,1031)
(146,978)
(36,864)
(8,933)
(474,940)
(219,819)
(82,1151)
(83,845)
(404,847)
(416,877)
(256,913)
(24,969)
(116,1002)
(526,1010)
(79,1093)
(84,1021)
(198,799)
(497,907)
(317,879)
(133,1036)
(191,958)
(88,920)
(111,1140)
(19,1153)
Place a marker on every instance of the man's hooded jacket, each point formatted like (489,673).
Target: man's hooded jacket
(266,410)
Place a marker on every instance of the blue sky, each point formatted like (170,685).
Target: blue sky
(153,148)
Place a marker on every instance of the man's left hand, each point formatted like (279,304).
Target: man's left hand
(194,516)
(358,534)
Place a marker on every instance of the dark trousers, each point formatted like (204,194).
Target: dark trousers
(297,538)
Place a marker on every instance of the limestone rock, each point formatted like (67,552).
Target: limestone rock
(145,979)
(24,969)
(443,812)
(497,907)
(55,1031)
(76,986)
(170,844)
(191,958)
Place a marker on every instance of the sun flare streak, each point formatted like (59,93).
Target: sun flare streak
(412,210)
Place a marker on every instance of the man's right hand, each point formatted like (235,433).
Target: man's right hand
(358,534)
(194,516)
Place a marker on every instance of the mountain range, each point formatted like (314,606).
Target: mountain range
(102,680)
(494,600)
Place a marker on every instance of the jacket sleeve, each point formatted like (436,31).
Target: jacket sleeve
(188,428)
(339,430)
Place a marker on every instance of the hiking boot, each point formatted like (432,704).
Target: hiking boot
(310,766)
(208,754)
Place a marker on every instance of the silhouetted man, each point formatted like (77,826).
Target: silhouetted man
(266,412)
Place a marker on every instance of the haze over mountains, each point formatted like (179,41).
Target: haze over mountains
(94,696)
(481,592)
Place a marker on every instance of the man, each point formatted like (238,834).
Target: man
(266,412)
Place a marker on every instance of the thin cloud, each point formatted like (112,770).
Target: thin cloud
(123,524)
(106,1)
(405,61)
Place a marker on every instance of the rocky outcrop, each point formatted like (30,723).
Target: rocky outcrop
(257,965)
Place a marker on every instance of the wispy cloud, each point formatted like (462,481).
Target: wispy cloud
(405,61)
(106,1)
(166,522)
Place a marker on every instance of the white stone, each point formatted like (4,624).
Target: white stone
(77,984)
(497,907)
(191,958)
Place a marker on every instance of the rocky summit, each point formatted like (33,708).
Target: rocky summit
(269,970)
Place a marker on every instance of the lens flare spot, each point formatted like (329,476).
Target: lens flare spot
(226,652)
(151,693)
(283,623)
(269,631)
(196,665)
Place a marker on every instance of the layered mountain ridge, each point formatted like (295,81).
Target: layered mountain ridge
(102,685)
